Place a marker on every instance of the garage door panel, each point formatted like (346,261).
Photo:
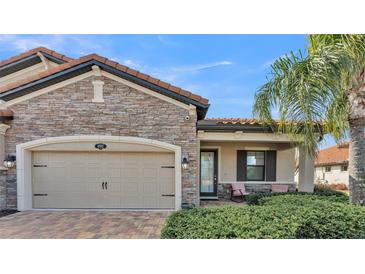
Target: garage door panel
(167,202)
(74,180)
(150,189)
(130,189)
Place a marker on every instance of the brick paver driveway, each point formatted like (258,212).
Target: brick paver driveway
(83,224)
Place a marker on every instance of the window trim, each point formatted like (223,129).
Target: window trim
(263,166)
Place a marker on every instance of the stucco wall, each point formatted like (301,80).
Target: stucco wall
(335,176)
(125,112)
(285,166)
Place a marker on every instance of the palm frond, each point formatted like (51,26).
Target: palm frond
(308,91)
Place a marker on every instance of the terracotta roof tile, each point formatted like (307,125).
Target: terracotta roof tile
(74,62)
(153,80)
(142,76)
(333,155)
(111,63)
(132,72)
(6,113)
(34,51)
(185,93)
(175,89)
(121,68)
(234,121)
(164,84)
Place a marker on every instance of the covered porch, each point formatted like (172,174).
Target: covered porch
(242,151)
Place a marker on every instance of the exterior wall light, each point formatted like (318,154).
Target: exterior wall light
(185,162)
(10,161)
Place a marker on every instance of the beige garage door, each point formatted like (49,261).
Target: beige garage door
(103,180)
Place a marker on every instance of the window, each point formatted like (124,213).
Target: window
(343,168)
(255,166)
(327,169)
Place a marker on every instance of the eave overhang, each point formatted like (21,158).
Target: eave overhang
(86,67)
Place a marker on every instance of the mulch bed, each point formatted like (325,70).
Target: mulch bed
(7,212)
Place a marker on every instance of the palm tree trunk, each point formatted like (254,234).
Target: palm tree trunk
(357,161)
(356,101)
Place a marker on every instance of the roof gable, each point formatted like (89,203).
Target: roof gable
(84,64)
(30,58)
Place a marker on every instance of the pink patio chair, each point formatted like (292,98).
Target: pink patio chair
(238,190)
(279,188)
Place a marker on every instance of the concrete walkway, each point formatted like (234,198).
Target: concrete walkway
(83,225)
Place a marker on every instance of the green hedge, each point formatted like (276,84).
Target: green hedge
(278,217)
(254,198)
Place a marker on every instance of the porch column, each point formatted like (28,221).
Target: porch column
(306,171)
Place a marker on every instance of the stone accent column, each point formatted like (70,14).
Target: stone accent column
(3,169)
(306,171)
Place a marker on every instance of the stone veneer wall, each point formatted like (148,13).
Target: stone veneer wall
(125,112)
(224,190)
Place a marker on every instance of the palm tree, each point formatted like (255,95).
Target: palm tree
(321,91)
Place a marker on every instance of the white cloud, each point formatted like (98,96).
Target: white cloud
(164,40)
(198,67)
(23,43)
(78,45)
(172,73)
(131,63)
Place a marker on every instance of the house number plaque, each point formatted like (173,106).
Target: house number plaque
(100,146)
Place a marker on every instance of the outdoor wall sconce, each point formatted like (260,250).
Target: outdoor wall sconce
(10,161)
(185,162)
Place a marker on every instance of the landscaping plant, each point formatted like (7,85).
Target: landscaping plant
(289,216)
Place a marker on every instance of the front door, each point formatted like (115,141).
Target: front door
(208,173)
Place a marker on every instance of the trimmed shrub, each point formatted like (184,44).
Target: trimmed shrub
(302,200)
(331,186)
(254,198)
(278,217)
(328,191)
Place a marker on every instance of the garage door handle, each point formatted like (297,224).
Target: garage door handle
(40,194)
(167,167)
(102,185)
(106,185)
(168,195)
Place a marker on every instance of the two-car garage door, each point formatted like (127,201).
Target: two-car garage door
(103,180)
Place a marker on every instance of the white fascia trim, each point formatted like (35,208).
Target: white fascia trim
(24,162)
(43,59)
(146,90)
(48,89)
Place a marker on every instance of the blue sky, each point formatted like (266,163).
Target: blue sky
(226,69)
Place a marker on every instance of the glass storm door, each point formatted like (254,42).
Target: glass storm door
(208,173)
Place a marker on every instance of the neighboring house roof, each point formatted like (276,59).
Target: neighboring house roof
(338,154)
(233,124)
(84,64)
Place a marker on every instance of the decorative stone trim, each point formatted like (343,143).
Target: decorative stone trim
(98,91)
(96,71)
